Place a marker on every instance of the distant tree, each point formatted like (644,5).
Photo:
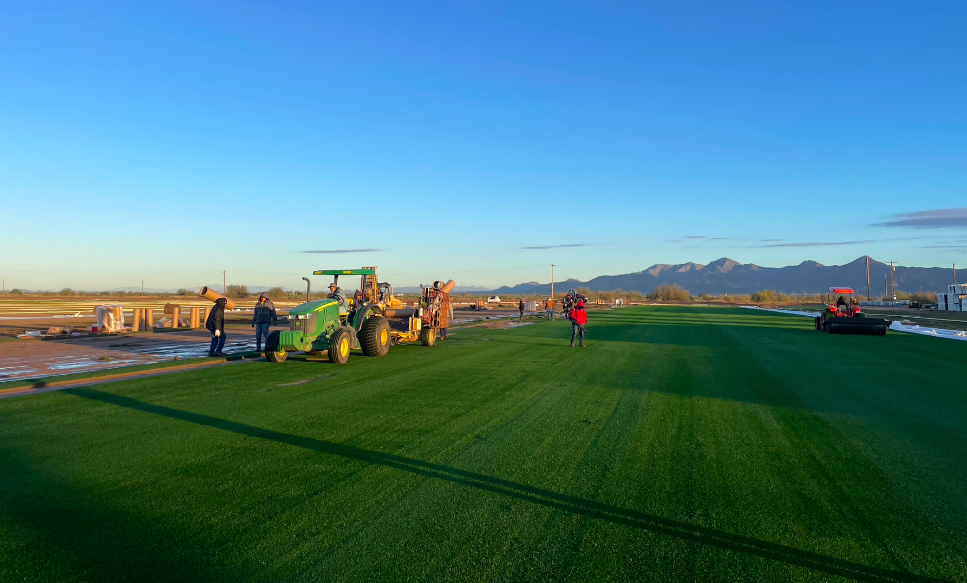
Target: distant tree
(66,292)
(16,292)
(237,291)
(277,293)
(669,293)
(184,292)
(766,296)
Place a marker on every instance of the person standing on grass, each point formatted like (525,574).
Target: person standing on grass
(216,325)
(549,308)
(520,306)
(262,319)
(578,317)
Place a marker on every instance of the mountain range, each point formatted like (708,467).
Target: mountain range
(726,276)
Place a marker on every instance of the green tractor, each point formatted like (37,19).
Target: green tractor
(318,325)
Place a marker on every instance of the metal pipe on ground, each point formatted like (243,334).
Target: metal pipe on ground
(193,318)
(212,295)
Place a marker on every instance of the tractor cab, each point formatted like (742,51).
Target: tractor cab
(845,306)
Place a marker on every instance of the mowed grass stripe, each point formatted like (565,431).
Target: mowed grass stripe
(681,444)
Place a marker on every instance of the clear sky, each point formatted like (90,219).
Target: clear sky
(482,141)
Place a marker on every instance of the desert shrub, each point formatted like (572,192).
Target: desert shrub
(66,292)
(766,296)
(237,291)
(16,292)
(184,292)
(669,293)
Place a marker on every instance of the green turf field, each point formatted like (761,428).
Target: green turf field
(683,444)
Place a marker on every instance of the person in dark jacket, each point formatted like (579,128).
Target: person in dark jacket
(520,306)
(262,319)
(578,317)
(216,325)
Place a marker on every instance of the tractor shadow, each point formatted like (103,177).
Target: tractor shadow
(531,494)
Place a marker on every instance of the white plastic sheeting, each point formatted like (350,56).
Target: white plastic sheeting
(935,332)
(110,318)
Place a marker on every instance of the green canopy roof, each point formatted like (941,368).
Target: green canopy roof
(345,272)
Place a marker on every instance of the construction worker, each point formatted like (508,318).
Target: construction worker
(340,296)
(520,306)
(578,317)
(216,325)
(549,308)
(262,319)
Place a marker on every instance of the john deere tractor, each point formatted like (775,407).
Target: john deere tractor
(324,325)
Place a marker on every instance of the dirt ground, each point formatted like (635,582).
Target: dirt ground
(925,318)
(22,359)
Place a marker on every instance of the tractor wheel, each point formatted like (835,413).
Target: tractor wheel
(339,345)
(428,336)
(374,337)
(819,323)
(274,352)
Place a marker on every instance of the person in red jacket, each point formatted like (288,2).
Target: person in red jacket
(578,317)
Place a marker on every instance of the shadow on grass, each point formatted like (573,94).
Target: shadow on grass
(52,529)
(547,498)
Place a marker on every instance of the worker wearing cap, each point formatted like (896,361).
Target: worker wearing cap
(262,319)
(578,317)
(549,308)
(340,296)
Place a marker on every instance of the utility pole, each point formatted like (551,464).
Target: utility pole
(223,282)
(868,298)
(142,287)
(892,293)
(955,274)
(552,281)
(886,289)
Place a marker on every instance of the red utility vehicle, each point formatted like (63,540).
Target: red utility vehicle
(843,316)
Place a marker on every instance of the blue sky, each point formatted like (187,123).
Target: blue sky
(475,140)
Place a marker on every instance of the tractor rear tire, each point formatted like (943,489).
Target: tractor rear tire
(339,345)
(274,352)
(428,336)
(819,323)
(374,337)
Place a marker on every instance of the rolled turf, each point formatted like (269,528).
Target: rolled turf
(682,444)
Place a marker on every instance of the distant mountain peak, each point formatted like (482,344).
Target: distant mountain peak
(723,265)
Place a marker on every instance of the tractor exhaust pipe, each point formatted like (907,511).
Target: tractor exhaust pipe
(308,287)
